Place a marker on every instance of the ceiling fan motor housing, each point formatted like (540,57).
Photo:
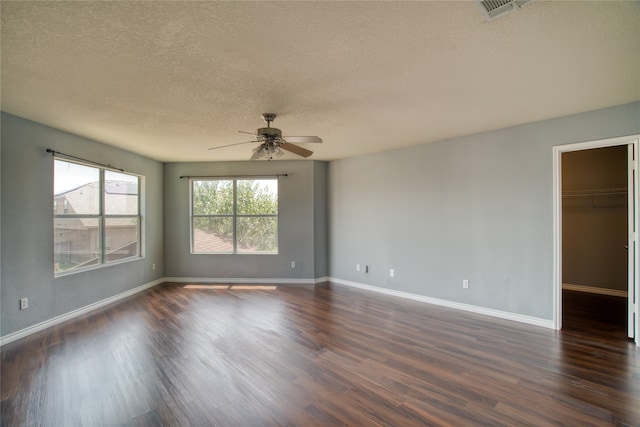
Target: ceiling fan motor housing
(269,133)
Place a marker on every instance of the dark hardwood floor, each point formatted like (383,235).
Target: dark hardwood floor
(593,314)
(305,356)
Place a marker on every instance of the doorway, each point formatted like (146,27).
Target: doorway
(595,240)
(595,223)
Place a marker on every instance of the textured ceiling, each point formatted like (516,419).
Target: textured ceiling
(168,80)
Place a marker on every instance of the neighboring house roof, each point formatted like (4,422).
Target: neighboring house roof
(211,242)
(207,241)
(121,198)
(121,187)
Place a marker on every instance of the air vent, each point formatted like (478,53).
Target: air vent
(495,8)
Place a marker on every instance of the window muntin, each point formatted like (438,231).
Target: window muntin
(234,215)
(96,217)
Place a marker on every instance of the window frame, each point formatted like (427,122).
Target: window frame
(234,215)
(102,218)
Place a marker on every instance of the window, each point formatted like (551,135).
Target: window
(234,216)
(96,218)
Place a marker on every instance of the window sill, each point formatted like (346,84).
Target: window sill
(96,267)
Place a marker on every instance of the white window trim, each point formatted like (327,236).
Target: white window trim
(233,216)
(101,221)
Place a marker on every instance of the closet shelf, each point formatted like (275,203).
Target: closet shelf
(595,192)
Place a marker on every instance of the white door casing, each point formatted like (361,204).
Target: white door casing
(632,244)
(632,142)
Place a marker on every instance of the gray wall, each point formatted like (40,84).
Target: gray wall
(320,239)
(297,223)
(477,207)
(27,226)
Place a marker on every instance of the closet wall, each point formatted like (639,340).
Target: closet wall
(594,218)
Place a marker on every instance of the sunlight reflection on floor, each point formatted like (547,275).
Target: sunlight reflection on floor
(232,287)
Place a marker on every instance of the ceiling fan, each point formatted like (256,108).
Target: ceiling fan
(272,143)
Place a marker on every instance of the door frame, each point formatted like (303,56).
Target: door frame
(557,221)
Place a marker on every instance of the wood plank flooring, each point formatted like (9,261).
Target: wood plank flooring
(597,315)
(312,356)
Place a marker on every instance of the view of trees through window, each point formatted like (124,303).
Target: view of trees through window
(96,216)
(234,215)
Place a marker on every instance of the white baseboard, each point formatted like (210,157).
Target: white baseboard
(238,280)
(75,313)
(451,304)
(595,290)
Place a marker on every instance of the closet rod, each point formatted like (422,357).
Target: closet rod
(595,192)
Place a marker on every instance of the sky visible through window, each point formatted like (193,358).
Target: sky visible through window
(68,176)
(270,184)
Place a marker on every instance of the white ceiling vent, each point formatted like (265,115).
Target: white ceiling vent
(495,8)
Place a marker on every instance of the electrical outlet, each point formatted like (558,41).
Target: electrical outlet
(465,284)
(153,266)
(24,303)
(366,268)
(392,272)
(293,264)
(357,267)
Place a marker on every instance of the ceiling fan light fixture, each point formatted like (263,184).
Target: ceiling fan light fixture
(267,151)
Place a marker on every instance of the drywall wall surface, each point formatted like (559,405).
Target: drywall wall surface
(27,226)
(320,233)
(295,223)
(475,208)
(594,218)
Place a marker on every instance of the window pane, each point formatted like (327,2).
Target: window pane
(257,234)
(76,243)
(120,193)
(212,197)
(76,189)
(120,238)
(213,234)
(258,197)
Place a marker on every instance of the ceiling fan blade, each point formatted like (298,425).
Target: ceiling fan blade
(299,139)
(231,145)
(295,149)
(248,133)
